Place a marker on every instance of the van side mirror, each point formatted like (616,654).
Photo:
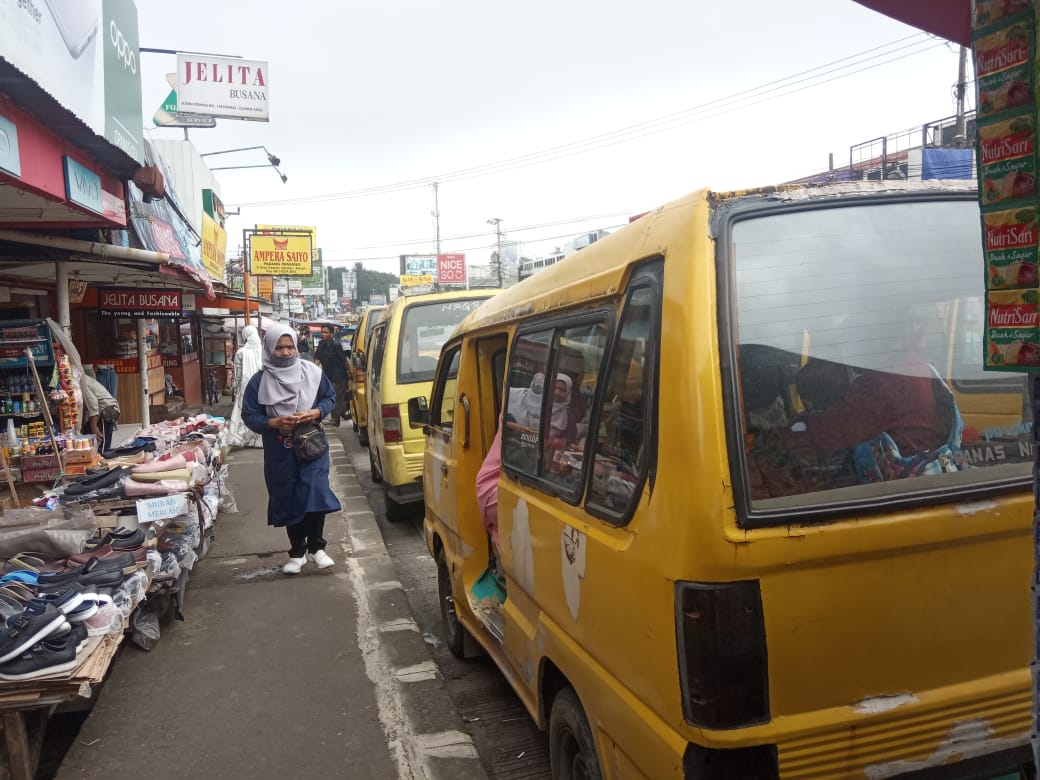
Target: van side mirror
(418,412)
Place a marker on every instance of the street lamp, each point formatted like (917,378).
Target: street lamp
(273,161)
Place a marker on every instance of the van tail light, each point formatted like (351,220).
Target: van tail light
(391,423)
(721,638)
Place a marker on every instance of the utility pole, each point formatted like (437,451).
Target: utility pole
(960,137)
(497,223)
(436,219)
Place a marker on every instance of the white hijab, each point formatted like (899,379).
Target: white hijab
(560,409)
(525,403)
(289,385)
(252,354)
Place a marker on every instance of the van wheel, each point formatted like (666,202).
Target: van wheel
(376,476)
(451,629)
(572,750)
(395,511)
(362,436)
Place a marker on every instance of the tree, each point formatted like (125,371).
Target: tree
(369,282)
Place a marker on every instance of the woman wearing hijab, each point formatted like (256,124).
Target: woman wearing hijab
(525,405)
(288,392)
(248,361)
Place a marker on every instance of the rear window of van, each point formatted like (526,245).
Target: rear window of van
(424,329)
(860,344)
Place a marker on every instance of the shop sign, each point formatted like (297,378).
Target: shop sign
(161,228)
(120,302)
(280,287)
(214,247)
(214,206)
(254,286)
(223,87)
(451,269)
(284,255)
(316,281)
(416,280)
(295,286)
(86,56)
(17,335)
(10,162)
(149,510)
(187,302)
(264,286)
(419,265)
(82,186)
(296,305)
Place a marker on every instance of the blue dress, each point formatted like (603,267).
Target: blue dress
(293,488)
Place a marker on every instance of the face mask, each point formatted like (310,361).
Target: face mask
(283,362)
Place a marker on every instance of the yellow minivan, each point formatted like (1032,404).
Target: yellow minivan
(404,345)
(356,379)
(738,535)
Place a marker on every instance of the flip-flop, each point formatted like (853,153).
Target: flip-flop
(21,575)
(38,563)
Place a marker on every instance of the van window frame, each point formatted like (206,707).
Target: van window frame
(722,222)
(649,274)
(419,303)
(440,382)
(380,331)
(555,323)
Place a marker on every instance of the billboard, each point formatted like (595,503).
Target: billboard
(451,269)
(86,56)
(223,87)
(284,255)
(214,247)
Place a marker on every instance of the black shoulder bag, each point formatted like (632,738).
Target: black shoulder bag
(309,442)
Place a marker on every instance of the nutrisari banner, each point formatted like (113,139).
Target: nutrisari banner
(1004,44)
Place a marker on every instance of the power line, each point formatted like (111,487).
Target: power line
(769,91)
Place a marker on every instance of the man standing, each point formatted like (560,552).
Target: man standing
(100,411)
(303,343)
(329,355)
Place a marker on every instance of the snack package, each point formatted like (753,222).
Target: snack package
(1012,333)
(1011,239)
(1007,159)
(1002,66)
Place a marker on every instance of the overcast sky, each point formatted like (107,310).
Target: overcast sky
(364,96)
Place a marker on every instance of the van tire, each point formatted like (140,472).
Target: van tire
(572,750)
(453,633)
(376,476)
(395,511)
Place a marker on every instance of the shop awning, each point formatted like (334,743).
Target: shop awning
(949,19)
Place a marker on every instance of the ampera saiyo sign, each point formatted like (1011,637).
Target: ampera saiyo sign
(127,302)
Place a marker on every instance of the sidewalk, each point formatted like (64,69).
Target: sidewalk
(322,674)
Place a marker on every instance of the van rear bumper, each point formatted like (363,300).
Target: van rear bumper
(406,494)
(402,475)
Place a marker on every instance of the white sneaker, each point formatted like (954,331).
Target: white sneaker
(294,565)
(322,559)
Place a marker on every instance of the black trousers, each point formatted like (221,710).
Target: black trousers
(306,535)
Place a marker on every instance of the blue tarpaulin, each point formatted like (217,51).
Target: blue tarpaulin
(946,164)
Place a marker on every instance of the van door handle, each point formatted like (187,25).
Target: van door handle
(444,469)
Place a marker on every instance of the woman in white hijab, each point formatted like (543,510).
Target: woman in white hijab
(248,361)
(288,392)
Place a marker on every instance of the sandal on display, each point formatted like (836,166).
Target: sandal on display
(96,482)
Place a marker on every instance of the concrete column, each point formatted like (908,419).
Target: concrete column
(142,362)
(61,277)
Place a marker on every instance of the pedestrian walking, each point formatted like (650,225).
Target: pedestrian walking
(303,343)
(330,356)
(286,393)
(248,361)
(100,411)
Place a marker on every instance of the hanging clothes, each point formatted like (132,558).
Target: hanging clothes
(248,361)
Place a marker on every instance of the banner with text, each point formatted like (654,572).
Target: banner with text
(130,302)
(214,247)
(285,255)
(225,87)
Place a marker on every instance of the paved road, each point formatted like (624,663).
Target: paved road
(510,745)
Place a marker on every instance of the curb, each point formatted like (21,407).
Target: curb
(423,728)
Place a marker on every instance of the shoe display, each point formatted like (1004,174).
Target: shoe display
(106,620)
(294,565)
(24,630)
(322,559)
(165,463)
(66,600)
(51,656)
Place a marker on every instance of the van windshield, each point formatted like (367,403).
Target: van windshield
(860,344)
(424,329)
